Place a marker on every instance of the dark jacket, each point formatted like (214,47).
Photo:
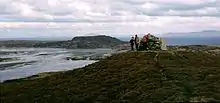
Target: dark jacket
(132,41)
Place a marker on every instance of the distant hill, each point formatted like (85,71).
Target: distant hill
(37,39)
(100,41)
(207,33)
(192,40)
(208,37)
(86,42)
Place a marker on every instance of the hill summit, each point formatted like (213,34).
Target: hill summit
(133,77)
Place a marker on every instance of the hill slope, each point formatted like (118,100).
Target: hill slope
(127,77)
(87,42)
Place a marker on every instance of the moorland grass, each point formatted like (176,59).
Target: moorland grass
(133,77)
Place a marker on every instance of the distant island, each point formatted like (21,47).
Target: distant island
(82,42)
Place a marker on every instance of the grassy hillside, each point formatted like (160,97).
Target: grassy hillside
(135,77)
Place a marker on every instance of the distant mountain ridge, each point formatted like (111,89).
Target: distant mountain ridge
(192,40)
(206,33)
(37,39)
(84,42)
(208,37)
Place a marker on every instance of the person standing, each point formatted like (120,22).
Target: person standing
(132,43)
(137,42)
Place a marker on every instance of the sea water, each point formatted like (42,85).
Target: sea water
(31,61)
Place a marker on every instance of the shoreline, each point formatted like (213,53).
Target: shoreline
(215,51)
(26,74)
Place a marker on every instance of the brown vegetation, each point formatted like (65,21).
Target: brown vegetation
(134,77)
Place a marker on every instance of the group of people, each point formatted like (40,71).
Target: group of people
(148,42)
(135,41)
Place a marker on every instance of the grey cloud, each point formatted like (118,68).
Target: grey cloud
(6,8)
(113,10)
(183,9)
(134,2)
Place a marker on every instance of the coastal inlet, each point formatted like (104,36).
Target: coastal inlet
(18,63)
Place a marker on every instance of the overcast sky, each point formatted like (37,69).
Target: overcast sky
(55,18)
